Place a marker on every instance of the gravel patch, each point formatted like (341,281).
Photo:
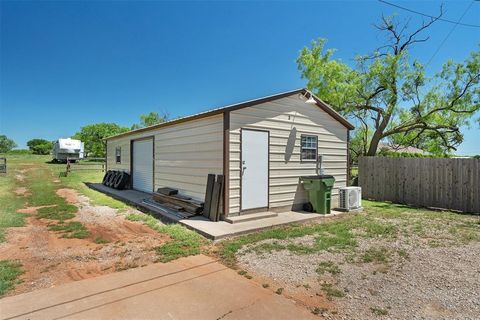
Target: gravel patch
(418,280)
(433,283)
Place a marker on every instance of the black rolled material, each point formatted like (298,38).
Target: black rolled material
(112,178)
(121,181)
(106,177)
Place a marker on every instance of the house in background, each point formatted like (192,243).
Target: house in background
(261,146)
(399,148)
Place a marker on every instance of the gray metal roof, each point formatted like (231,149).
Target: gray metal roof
(240,105)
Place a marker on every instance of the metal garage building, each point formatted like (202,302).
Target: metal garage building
(261,146)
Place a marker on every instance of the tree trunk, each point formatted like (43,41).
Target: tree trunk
(372,150)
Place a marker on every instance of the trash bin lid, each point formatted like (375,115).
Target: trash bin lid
(319,177)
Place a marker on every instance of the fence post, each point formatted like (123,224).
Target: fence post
(68,167)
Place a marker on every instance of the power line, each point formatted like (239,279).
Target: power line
(457,23)
(448,35)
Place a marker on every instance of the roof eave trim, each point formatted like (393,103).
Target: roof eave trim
(329,109)
(212,112)
(323,105)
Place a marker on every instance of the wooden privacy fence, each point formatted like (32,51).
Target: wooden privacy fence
(425,182)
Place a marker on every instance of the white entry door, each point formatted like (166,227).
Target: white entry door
(254,169)
(143,165)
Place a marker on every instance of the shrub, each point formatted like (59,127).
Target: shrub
(19,151)
(40,146)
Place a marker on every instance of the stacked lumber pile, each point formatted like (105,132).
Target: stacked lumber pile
(170,198)
(188,207)
(213,197)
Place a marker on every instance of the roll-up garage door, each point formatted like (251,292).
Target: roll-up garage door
(143,165)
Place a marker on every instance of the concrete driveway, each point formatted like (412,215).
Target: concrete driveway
(190,288)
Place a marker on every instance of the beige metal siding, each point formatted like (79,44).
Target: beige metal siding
(280,117)
(185,154)
(124,144)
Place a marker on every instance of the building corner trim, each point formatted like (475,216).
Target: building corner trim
(226,162)
(348,159)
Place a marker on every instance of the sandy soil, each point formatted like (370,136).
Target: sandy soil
(50,260)
(22,191)
(311,298)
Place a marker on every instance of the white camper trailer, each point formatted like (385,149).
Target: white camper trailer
(67,148)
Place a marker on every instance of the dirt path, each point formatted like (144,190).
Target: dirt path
(48,259)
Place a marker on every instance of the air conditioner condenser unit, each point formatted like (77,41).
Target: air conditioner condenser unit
(350,198)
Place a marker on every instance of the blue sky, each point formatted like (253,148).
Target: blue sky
(68,64)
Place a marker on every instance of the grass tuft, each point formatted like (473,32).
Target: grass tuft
(59,212)
(331,291)
(327,266)
(100,240)
(72,229)
(329,236)
(184,242)
(9,272)
(379,311)
(376,255)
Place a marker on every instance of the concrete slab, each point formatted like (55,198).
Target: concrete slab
(209,229)
(251,216)
(189,288)
(221,229)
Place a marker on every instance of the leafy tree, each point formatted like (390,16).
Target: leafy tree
(6,144)
(389,94)
(153,118)
(40,146)
(93,136)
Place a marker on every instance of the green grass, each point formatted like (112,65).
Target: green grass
(327,266)
(9,273)
(184,242)
(331,291)
(39,180)
(100,240)
(380,220)
(376,255)
(43,180)
(378,311)
(403,253)
(71,229)
(335,235)
(59,212)
(77,179)
(9,201)
(50,171)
